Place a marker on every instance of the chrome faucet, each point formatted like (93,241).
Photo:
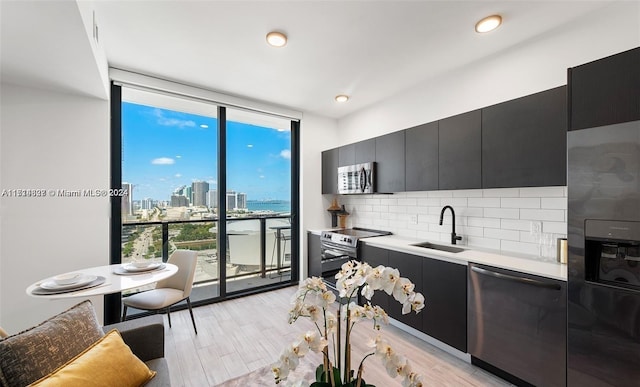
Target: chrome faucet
(454,237)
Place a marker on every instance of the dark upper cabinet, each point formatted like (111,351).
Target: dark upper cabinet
(605,92)
(409,266)
(524,141)
(330,171)
(421,157)
(313,255)
(376,256)
(390,163)
(460,156)
(365,151)
(445,310)
(346,155)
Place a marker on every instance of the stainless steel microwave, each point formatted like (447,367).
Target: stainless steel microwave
(357,179)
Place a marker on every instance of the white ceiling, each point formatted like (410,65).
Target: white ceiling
(370,50)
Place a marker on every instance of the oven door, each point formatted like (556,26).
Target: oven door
(333,257)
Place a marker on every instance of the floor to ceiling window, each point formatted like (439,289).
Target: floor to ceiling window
(185,173)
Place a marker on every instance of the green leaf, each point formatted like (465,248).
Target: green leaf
(320,373)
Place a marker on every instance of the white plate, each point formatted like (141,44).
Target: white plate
(131,268)
(84,280)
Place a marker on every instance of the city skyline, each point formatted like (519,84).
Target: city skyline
(165,149)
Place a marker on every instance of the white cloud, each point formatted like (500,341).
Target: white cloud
(262,176)
(166,121)
(178,157)
(178,175)
(249,145)
(163,161)
(285,154)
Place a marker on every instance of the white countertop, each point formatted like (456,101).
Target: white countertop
(486,257)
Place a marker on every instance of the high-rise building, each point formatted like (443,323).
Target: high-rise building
(188,193)
(127,200)
(199,193)
(180,190)
(232,200)
(147,204)
(241,200)
(179,201)
(212,198)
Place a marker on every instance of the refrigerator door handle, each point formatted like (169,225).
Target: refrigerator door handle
(523,280)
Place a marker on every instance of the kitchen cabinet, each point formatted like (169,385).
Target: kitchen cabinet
(605,92)
(459,151)
(390,163)
(330,171)
(524,141)
(421,157)
(445,311)
(409,266)
(314,264)
(347,155)
(517,324)
(365,151)
(376,256)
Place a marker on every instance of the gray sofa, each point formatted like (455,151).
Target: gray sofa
(145,337)
(39,351)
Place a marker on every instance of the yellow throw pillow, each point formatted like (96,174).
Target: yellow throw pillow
(108,362)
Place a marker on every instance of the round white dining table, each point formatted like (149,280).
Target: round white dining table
(114,283)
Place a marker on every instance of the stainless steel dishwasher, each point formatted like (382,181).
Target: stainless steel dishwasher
(517,325)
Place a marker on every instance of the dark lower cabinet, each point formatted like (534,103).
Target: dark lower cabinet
(460,151)
(444,286)
(524,141)
(409,266)
(445,310)
(313,255)
(605,92)
(376,256)
(330,171)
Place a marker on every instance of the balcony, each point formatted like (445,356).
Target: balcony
(258,250)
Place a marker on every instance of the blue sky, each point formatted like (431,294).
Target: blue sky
(164,149)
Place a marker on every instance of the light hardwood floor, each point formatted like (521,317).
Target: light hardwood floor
(239,336)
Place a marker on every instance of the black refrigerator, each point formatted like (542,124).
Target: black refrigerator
(603,299)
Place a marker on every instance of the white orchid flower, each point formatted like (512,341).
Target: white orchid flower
(417,302)
(367,292)
(331,321)
(402,289)
(375,277)
(315,341)
(389,278)
(300,347)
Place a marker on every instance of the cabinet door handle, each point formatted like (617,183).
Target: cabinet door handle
(523,280)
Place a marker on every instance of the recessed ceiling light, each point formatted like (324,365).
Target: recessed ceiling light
(276,39)
(342,98)
(489,23)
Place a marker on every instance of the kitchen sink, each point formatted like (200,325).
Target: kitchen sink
(433,246)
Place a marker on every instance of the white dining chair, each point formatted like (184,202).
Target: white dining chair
(169,291)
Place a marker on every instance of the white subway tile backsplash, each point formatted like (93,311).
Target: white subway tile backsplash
(497,233)
(538,192)
(453,202)
(520,202)
(511,224)
(498,219)
(483,222)
(556,215)
(554,227)
(509,213)
(554,203)
(440,194)
(467,193)
(484,202)
(501,192)
(520,247)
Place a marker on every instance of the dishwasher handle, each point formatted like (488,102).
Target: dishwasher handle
(523,280)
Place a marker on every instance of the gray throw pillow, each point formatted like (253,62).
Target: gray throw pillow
(29,355)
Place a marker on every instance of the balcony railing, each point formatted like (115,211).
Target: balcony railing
(256,246)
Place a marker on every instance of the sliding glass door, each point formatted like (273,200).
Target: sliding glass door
(186,167)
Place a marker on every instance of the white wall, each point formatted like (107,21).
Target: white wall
(50,141)
(496,219)
(317,134)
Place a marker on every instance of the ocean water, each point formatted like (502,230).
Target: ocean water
(277,206)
